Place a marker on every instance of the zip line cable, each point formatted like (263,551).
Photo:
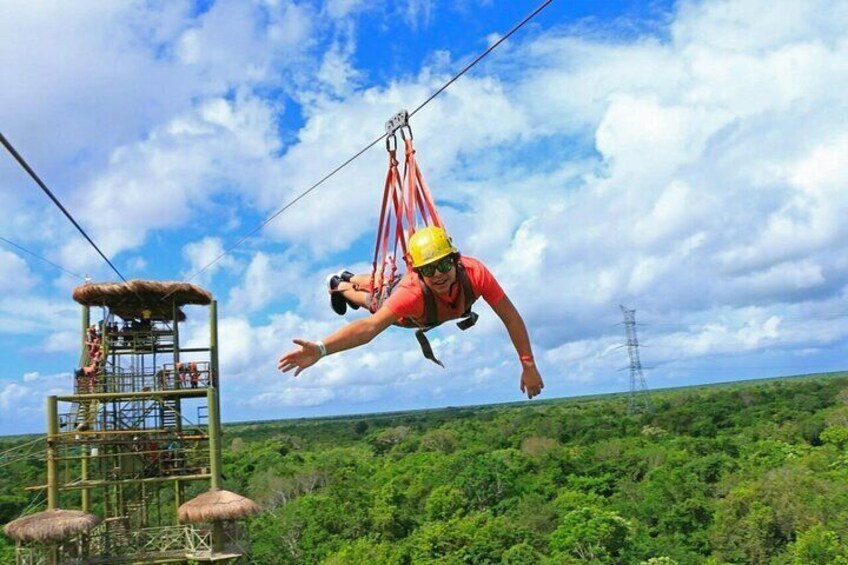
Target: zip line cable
(468,67)
(22,445)
(64,270)
(55,200)
(491,48)
(283,209)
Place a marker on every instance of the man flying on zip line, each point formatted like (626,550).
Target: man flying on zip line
(441,286)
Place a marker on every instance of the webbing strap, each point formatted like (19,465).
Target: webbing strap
(406,200)
(382,232)
(431,320)
(431,316)
(426,348)
(415,182)
(467,291)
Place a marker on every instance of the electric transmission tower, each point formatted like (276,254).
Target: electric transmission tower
(640,398)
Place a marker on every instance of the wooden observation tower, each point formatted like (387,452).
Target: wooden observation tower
(140,434)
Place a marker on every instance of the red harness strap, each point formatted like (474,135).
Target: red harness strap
(406,205)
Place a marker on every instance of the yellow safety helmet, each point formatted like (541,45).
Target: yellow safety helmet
(429,244)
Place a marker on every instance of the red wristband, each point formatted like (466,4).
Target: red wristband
(527,358)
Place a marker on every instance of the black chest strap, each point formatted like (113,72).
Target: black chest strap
(431,319)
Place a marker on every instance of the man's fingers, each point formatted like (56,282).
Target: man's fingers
(286,364)
(522,387)
(300,342)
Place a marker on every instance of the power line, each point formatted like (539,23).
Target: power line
(480,57)
(55,200)
(64,270)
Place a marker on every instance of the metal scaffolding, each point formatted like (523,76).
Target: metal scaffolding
(139,433)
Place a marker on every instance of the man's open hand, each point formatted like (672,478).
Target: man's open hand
(305,356)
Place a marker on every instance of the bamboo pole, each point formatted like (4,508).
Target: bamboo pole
(86,321)
(214,438)
(52,456)
(215,463)
(178,405)
(86,493)
(178,497)
(213,343)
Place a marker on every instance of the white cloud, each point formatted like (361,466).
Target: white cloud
(268,278)
(11,394)
(17,277)
(65,341)
(419,13)
(339,9)
(206,254)
(31,314)
(291,397)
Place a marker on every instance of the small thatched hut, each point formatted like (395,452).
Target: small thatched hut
(216,506)
(142,299)
(50,526)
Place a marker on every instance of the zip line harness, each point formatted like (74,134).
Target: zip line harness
(407,205)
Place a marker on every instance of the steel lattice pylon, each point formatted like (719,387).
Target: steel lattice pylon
(640,398)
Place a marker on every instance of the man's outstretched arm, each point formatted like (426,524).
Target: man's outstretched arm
(352,335)
(531,380)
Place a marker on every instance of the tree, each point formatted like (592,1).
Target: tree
(366,551)
(444,503)
(487,479)
(360,427)
(818,546)
(835,435)
(521,554)
(591,533)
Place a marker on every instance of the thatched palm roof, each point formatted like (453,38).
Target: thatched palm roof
(130,299)
(216,505)
(50,526)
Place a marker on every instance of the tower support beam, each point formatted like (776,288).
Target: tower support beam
(640,398)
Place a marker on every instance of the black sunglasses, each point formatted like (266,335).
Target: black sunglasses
(443,265)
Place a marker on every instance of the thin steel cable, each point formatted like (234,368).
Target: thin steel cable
(55,200)
(480,57)
(283,209)
(64,270)
(36,440)
(38,499)
(24,456)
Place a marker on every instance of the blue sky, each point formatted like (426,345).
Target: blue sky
(685,159)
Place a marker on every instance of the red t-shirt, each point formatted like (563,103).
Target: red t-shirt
(407,298)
